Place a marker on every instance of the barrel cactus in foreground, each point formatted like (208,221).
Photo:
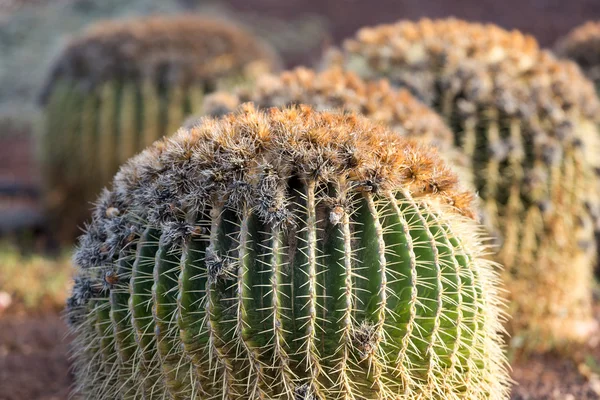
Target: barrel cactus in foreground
(529,124)
(286,254)
(582,45)
(120,86)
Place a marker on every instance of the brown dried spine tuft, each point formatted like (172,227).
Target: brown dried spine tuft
(334,89)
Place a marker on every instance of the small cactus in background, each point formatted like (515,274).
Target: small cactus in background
(582,45)
(286,254)
(122,85)
(529,124)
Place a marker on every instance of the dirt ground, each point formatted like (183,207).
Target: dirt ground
(34,365)
(552,378)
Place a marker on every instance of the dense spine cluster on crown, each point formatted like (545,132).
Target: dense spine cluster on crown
(529,123)
(582,45)
(335,89)
(287,254)
(122,85)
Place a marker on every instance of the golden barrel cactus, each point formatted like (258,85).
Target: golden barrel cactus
(286,254)
(529,124)
(120,86)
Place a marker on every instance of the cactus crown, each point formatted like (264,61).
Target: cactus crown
(335,88)
(582,45)
(529,123)
(180,50)
(338,89)
(286,254)
(376,159)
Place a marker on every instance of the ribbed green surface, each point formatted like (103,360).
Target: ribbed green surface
(375,299)
(140,306)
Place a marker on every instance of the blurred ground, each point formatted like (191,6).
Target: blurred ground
(32,284)
(33,339)
(33,358)
(551,377)
(574,375)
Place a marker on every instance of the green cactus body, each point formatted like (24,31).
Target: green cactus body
(528,124)
(124,337)
(285,255)
(122,85)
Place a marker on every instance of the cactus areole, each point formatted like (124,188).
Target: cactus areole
(286,254)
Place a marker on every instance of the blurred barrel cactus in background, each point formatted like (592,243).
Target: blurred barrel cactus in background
(336,89)
(529,123)
(582,45)
(122,85)
(286,254)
